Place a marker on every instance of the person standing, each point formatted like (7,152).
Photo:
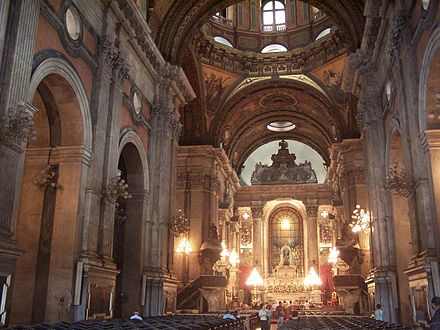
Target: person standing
(262,314)
(269,315)
(280,314)
(378,313)
(435,320)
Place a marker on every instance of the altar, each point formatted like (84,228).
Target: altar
(286,282)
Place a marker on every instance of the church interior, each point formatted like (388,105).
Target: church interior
(172,157)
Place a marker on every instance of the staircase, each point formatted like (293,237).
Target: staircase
(192,290)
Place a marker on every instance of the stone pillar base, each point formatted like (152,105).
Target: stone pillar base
(424,283)
(159,293)
(9,253)
(94,296)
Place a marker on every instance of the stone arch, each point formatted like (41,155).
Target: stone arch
(129,227)
(269,209)
(58,66)
(49,221)
(404,224)
(428,116)
(130,136)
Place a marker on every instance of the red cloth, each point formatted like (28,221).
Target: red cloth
(245,271)
(325,273)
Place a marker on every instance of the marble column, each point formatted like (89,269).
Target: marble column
(96,183)
(383,238)
(15,73)
(257,237)
(312,236)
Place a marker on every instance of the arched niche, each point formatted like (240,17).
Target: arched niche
(48,225)
(404,228)
(129,247)
(270,209)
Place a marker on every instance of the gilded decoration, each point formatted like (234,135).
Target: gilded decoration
(284,169)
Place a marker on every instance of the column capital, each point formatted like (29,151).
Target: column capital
(257,212)
(312,210)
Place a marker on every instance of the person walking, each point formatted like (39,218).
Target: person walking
(262,314)
(378,313)
(279,312)
(435,320)
(269,315)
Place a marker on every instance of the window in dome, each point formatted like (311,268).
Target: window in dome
(425,4)
(223,41)
(274,16)
(274,48)
(323,34)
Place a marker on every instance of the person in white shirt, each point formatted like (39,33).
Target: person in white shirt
(135,316)
(262,314)
(378,313)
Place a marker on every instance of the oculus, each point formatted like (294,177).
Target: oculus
(281,126)
(73,23)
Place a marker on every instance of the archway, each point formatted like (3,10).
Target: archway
(129,231)
(404,238)
(286,247)
(48,226)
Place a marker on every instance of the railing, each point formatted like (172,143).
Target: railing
(274,28)
(203,281)
(221,20)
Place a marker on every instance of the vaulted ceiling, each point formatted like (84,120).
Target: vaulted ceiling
(184,16)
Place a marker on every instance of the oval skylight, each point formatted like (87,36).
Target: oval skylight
(223,41)
(274,48)
(281,126)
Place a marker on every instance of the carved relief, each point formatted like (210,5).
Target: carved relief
(283,169)
(214,90)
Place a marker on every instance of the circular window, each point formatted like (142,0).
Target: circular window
(281,126)
(425,4)
(137,103)
(73,23)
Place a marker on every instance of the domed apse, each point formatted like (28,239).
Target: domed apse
(264,153)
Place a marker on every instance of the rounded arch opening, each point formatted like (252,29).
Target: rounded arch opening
(53,186)
(403,222)
(263,154)
(128,233)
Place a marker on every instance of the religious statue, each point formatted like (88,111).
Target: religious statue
(286,257)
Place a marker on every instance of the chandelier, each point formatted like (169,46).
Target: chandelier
(179,224)
(184,246)
(333,255)
(399,181)
(254,278)
(312,278)
(48,179)
(361,220)
(117,188)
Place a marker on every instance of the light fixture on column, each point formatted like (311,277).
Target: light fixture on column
(312,278)
(179,224)
(327,215)
(333,255)
(254,279)
(184,247)
(361,219)
(225,252)
(234,258)
(399,181)
(245,215)
(117,188)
